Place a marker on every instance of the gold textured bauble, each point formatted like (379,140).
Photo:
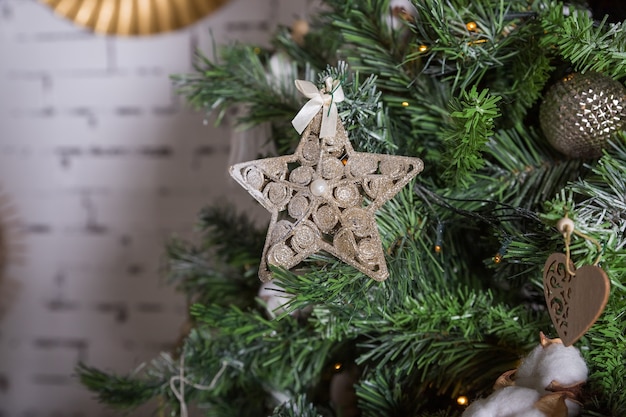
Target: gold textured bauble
(134,17)
(581,112)
(324,197)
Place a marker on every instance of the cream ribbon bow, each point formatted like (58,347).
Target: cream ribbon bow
(325,98)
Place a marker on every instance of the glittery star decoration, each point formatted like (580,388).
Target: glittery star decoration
(324,197)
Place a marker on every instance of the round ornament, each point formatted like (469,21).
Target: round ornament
(581,112)
(134,17)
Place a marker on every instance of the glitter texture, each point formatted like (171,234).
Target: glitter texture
(340,220)
(582,112)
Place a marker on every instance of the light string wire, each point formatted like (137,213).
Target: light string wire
(493,213)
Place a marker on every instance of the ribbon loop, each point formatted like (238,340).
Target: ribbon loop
(326,99)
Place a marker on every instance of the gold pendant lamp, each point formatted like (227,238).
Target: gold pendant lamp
(134,17)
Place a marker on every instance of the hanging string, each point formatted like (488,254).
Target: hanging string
(566,227)
(179,392)
(595,242)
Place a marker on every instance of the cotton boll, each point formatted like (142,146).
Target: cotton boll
(550,362)
(507,402)
(553,365)
(562,364)
(526,375)
(564,367)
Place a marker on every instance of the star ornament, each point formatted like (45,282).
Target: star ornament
(324,197)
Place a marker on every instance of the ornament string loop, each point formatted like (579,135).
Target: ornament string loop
(566,227)
(326,98)
(179,392)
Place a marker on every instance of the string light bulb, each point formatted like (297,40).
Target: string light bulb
(497,258)
(462,400)
(422,48)
(337,366)
(439,238)
(471,26)
(405,104)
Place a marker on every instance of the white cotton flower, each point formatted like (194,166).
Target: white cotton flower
(528,371)
(554,362)
(506,402)
(551,365)
(564,365)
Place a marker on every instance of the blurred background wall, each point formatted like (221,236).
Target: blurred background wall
(100,162)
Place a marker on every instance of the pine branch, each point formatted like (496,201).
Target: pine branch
(373,48)
(606,358)
(232,233)
(362,113)
(376,48)
(241,78)
(297,407)
(384,394)
(589,47)
(471,126)
(223,269)
(463,54)
(263,347)
(194,271)
(379,397)
(440,336)
(320,45)
(522,81)
(246,400)
(120,392)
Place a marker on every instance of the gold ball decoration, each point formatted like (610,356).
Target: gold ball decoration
(581,112)
(134,17)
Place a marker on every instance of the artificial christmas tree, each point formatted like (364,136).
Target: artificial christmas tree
(459,85)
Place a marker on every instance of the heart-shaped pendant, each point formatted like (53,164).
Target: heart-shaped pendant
(574,302)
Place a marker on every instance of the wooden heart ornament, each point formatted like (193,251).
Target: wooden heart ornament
(574,301)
